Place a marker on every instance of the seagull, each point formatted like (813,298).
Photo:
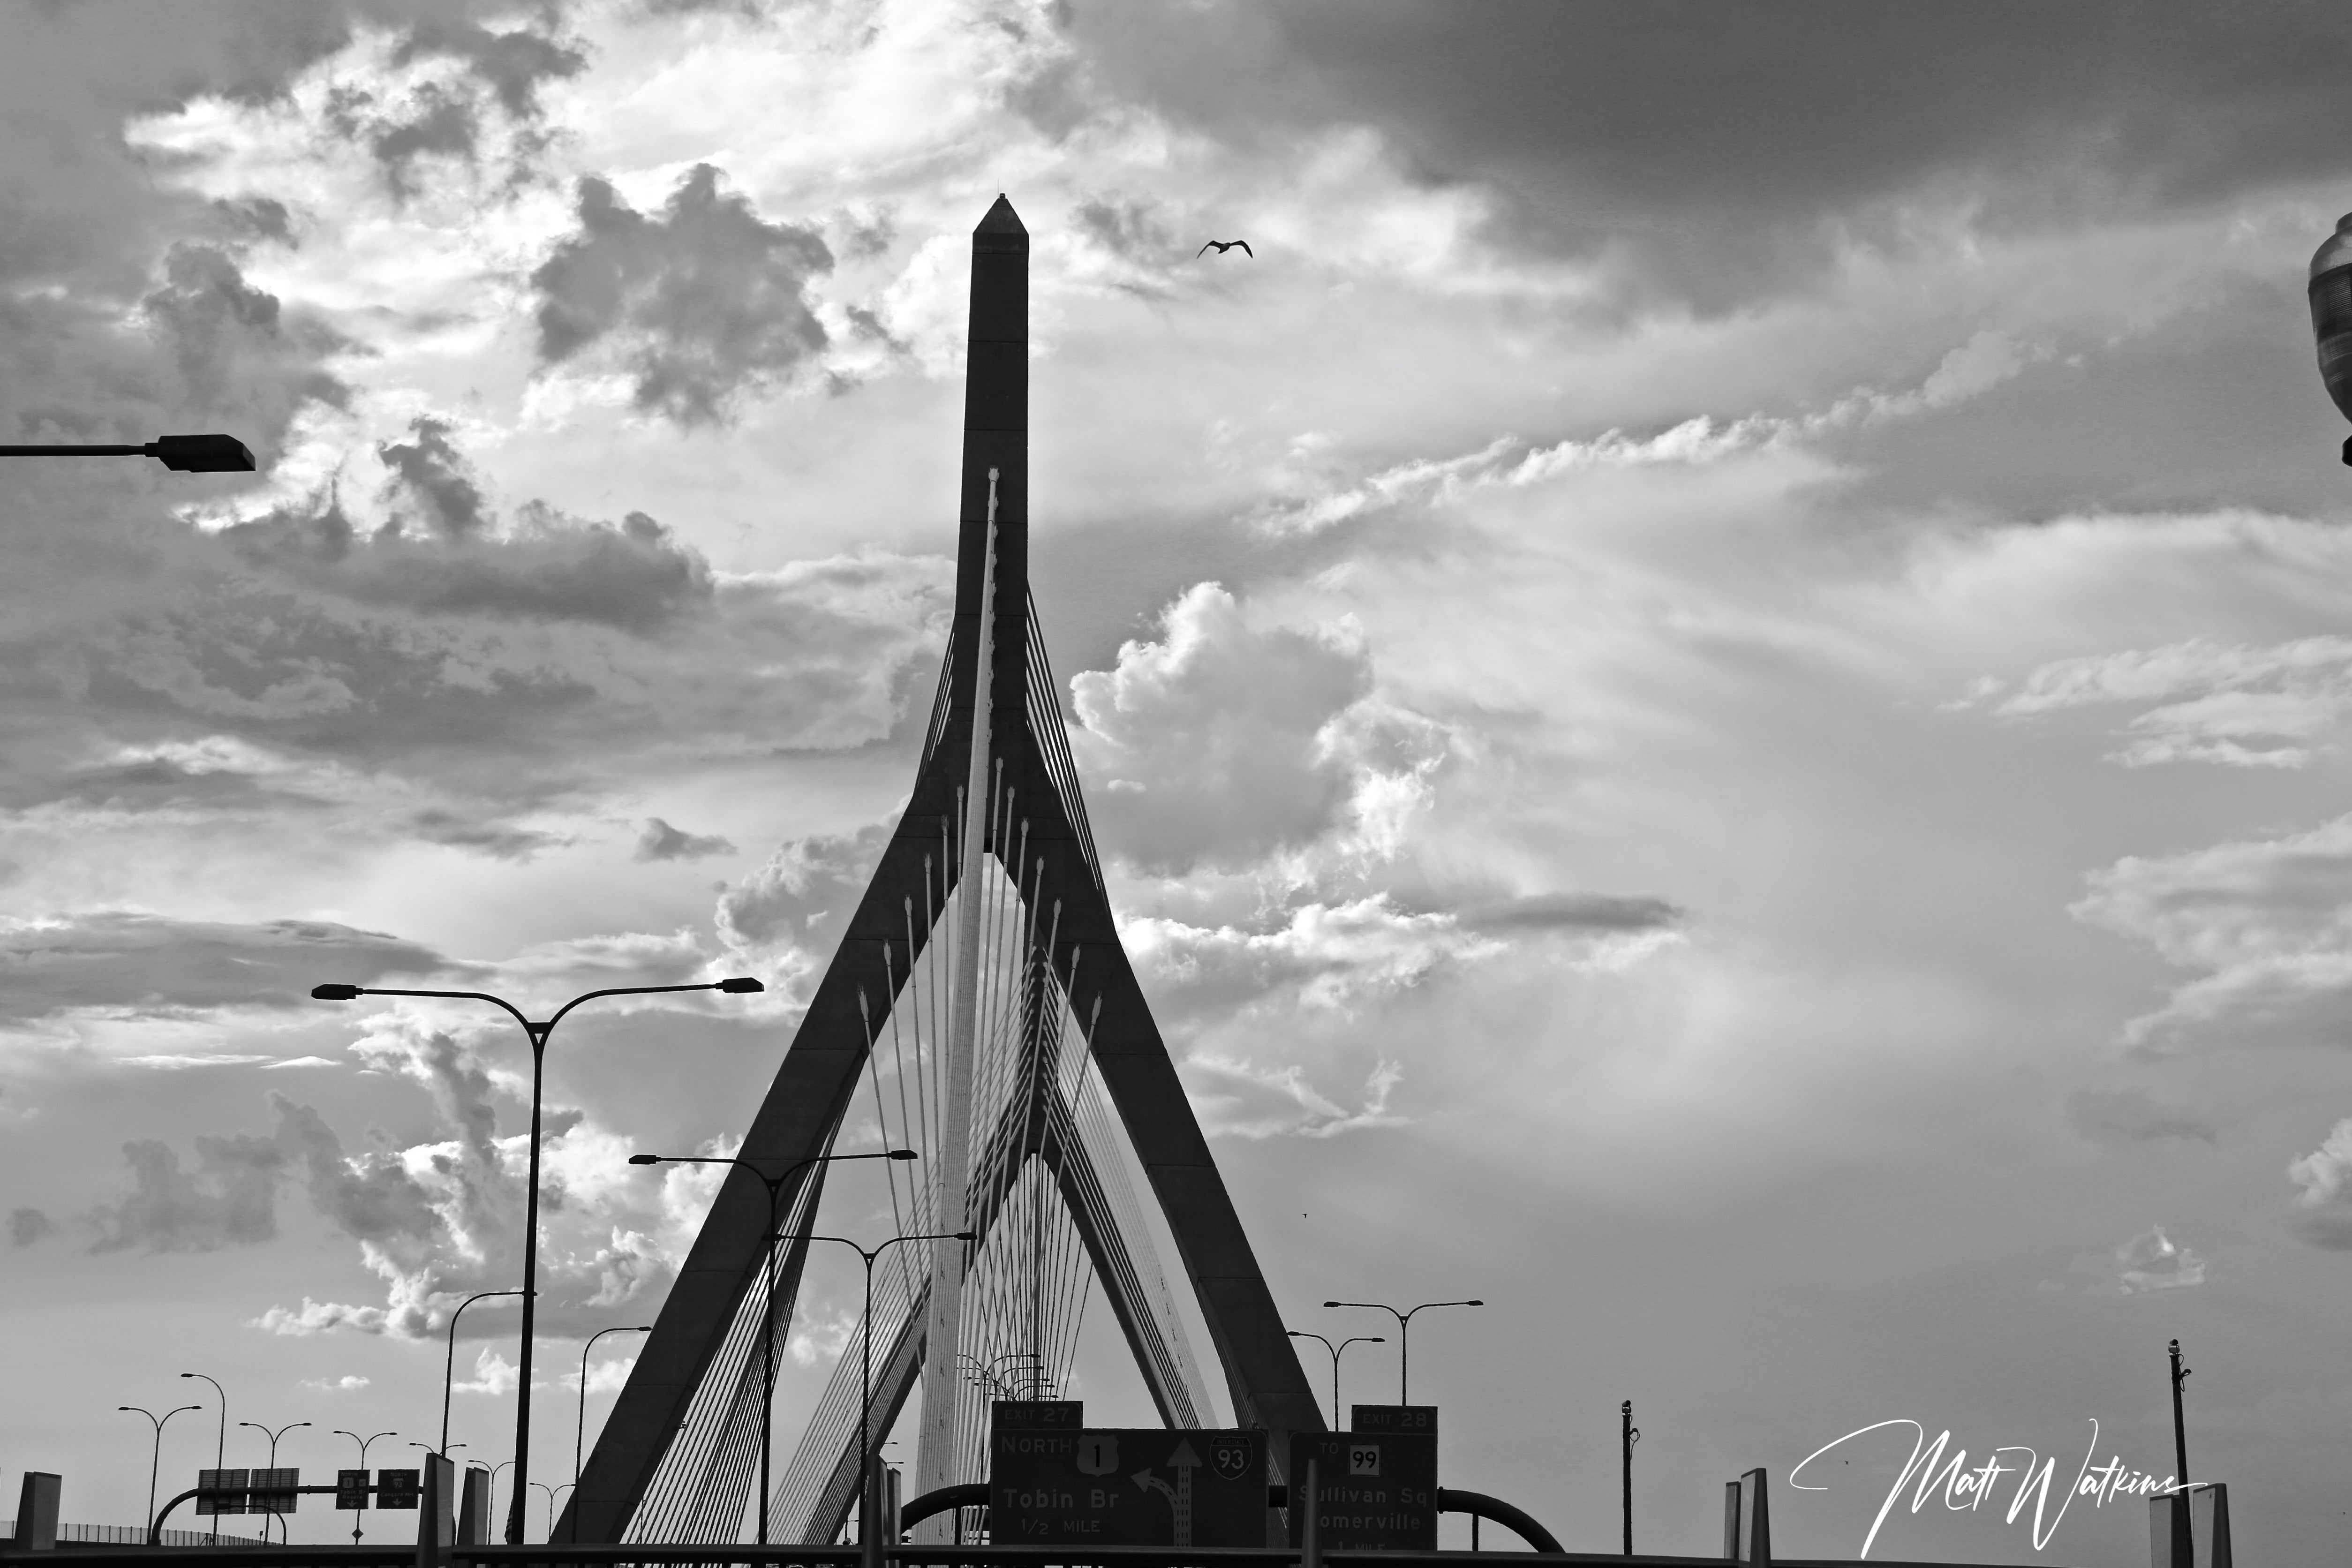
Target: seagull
(1221,245)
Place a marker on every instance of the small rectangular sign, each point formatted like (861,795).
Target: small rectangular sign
(1392,1418)
(398,1489)
(1061,1484)
(1037,1414)
(223,1492)
(273,1491)
(1375,1491)
(351,1490)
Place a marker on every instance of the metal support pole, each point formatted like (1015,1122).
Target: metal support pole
(2179,1427)
(1628,1436)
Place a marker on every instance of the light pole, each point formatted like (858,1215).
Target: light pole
(1628,1436)
(449,1364)
(220,1452)
(1337,1351)
(273,1462)
(364,1443)
(493,1499)
(538,1032)
(775,1186)
(155,1464)
(550,1492)
(579,1427)
(187,453)
(2180,1427)
(865,1363)
(1404,1323)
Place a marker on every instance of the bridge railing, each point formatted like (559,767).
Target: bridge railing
(717,1555)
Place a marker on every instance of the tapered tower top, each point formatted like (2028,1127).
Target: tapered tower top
(1000,229)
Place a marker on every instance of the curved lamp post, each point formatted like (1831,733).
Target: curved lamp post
(220,1451)
(1404,1323)
(865,1363)
(775,1186)
(449,1364)
(156,1464)
(2331,316)
(273,1437)
(365,1444)
(538,1032)
(187,453)
(551,1491)
(580,1426)
(1337,1351)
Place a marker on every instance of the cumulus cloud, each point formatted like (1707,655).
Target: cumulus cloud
(1216,743)
(433,474)
(2266,922)
(1326,957)
(2154,1261)
(27,1225)
(2323,1200)
(701,304)
(127,963)
(229,1200)
(801,898)
(660,841)
(350,1383)
(1241,1099)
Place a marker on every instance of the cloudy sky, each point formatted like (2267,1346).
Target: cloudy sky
(1716,688)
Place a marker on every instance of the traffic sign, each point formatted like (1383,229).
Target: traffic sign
(273,1491)
(398,1489)
(1054,1483)
(1392,1418)
(351,1490)
(1375,1491)
(224,1492)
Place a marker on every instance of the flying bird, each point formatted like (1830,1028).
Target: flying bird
(1221,245)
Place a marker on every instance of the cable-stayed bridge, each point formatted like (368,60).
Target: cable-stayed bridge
(981,1010)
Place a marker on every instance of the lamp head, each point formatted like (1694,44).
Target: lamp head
(1330,1303)
(1474,1303)
(903,1154)
(335,992)
(644,1159)
(740,985)
(214,453)
(967,1235)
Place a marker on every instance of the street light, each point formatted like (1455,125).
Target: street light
(1337,1351)
(493,1499)
(220,1452)
(2331,316)
(157,1462)
(1404,1323)
(579,1427)
(273,1463)
(550,1492)
(538,1032)
(449,1364)
(364,1443)
(186,454)
(865,1364)
(775,1186)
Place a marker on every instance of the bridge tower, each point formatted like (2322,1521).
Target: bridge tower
(980,984)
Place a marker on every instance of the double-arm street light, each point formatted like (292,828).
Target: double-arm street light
(865,1364)
(552,1493)
(187,453)
(538,1032)
(449,1365)
(365,1444)
(220,1450)
(1337,1351)
(273,1437)
(775,1186)
(1404,1323)
(156,1463)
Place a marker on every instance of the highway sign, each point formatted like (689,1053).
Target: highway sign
(1064,1484)
(351,1490)
(1377,1491)
(1392,1418)
(273,1491)
(226,1491)
(398,1489)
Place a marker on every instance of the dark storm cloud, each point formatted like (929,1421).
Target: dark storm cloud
(660,841)
(701,303)
(1714,142)
(513,65)
(142,964)
(372,1199)
(1572,912)
(2132,1116)
(430,472)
